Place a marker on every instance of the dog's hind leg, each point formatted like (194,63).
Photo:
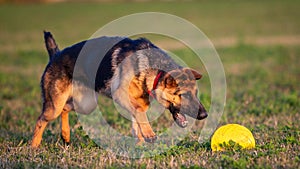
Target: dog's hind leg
(38,131)
(54,103)
(65,127)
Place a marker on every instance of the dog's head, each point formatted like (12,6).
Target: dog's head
(178,92)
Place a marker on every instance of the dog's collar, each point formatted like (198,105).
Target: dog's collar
(155,83)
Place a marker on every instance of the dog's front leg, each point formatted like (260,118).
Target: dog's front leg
(140,102)
(144,127)
(140,124)
(136,132)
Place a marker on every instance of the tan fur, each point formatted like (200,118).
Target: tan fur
(56,107)
(141,105)
(65,127)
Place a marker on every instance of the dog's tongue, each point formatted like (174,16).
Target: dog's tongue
(180,119)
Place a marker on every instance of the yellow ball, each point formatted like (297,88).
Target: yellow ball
(232,132)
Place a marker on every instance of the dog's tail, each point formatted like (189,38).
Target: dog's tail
(51,45)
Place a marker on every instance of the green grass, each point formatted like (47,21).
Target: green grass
(262,85)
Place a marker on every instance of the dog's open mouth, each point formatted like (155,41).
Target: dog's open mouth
(180,119)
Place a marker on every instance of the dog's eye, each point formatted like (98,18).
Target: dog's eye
(185,95)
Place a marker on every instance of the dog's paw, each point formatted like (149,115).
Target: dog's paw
(34,145)
(148,134)
(150,139)
(65,140)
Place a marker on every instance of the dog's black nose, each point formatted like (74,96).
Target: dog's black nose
(202,115)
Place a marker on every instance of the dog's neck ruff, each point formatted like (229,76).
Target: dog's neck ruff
(155,83)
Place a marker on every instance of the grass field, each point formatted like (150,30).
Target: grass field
(257,42)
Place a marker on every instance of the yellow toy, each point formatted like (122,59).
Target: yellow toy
(232,132)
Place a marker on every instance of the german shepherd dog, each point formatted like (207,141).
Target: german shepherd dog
(130,72)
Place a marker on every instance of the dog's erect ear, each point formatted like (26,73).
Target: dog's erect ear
(196,74)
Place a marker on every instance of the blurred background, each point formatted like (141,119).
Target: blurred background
(226,23)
